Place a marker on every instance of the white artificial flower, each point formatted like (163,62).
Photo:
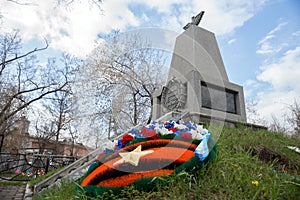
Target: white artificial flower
(108,144)
(157,126)
(164,131)
(196,135)
(180,126)
(200,129)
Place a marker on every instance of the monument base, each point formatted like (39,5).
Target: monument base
(203,119)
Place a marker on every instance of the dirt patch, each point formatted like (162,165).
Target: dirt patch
(268,155)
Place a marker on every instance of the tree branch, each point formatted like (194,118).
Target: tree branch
(26,54)
(28,103)
(23,4)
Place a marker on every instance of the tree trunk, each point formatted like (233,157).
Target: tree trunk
(135,117)
(109,127)
(1,141)
(151,110)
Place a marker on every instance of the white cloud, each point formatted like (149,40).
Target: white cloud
(266,46)
(275,103)
(222,17)
(282,76)
(266,39)
(162,6)
(231,41)
(278,28)
(249,87)
(75,29)
(297,33)
(233,15)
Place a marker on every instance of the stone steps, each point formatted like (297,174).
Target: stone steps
(12,192)
(71,171)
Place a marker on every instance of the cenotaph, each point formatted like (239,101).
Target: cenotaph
(197,82)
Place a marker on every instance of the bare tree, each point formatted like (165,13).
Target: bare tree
(63,3)
(59,2)
(74,135)
(294,117)
(43,131)
(129,71)
(23,81)
(97,3)
(290,122)
(60,103)
(276,126)
(252,113)
(17,140)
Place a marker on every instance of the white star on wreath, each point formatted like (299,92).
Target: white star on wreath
(133,157)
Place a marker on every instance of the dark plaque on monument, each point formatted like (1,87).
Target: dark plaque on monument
(218,98)
(174,95)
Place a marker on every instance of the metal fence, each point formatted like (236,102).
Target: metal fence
(23,167)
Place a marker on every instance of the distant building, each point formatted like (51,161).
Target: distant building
(19,141)
(43,146)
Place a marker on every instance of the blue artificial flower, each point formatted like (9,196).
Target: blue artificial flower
(135,131)
(120,145)
(92,165)
(170,124)
(108,151)
(191,126)
(178,132)
(186,130)
(151,127)
(139,135)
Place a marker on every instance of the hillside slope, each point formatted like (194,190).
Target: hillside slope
(249,165)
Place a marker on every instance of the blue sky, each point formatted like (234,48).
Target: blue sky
(259,40)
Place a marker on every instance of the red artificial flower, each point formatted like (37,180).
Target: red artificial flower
(149,133)
(172,129)
(126,138)
(186,135)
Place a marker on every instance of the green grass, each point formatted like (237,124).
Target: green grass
(23,180)
(228,176)
(12,183)
(34,181)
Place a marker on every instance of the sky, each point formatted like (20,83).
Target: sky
(259,40)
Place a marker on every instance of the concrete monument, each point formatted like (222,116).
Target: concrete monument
(197,81)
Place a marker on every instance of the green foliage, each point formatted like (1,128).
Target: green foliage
(234,174)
